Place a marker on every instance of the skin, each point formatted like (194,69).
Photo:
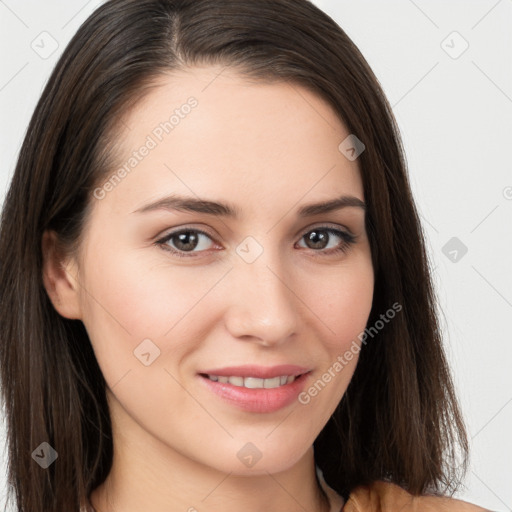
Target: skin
(266,149)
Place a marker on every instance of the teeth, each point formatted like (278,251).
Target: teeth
(251,382)
(236,381)
(254,382)
(272,383)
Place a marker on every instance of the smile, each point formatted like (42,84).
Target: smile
(256,394)
(254,382)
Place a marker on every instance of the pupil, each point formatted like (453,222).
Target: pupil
(187,241)
(318,238)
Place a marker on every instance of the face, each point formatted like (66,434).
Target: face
(170,291)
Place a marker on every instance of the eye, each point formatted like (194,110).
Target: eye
(322,237)
(185,241)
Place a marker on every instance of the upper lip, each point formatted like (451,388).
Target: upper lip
(261,372)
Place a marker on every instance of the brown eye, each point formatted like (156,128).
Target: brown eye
(317,239)
(320,238)
(186,241)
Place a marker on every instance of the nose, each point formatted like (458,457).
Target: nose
(262,306)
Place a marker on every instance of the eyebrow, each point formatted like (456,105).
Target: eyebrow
(197,205)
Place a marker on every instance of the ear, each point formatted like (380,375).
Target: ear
(59,279)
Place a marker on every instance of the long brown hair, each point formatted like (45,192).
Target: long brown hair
(398,420)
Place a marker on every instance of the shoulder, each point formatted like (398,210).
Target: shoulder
(388,497)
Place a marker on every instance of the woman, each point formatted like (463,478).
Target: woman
(214,286)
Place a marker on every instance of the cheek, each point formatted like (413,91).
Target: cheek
(343,310)
(141,292)
(130,298)
(345,304)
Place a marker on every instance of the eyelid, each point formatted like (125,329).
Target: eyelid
(187,227)
(302,232)
(326,225)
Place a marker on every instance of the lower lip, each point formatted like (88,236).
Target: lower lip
(259,399)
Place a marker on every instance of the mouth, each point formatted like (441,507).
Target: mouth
(254,390)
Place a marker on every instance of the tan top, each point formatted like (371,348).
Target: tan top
(388,497)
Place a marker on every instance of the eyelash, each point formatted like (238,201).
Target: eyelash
(347,241)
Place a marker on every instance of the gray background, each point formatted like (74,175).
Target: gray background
(454,108)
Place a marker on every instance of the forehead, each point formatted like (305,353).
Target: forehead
(212,132)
